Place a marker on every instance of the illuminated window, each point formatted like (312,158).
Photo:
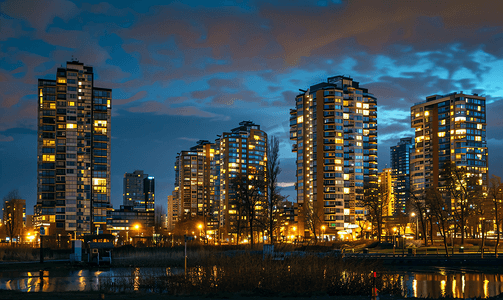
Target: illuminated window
(426,113)
(345,116)
(61,80)
(99,181)
(478,138)
(300,119)
(52,106)
(71,126)
(71,103)
(441,134)
(48,157)
(346,190)
(49,142)
(479,126)
(100,123)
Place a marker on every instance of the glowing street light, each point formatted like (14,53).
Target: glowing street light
(137,227)
(323,232)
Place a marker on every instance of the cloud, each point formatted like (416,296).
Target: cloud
(163,109)
(39,13)
(286,184)
(135,97)
(4,138)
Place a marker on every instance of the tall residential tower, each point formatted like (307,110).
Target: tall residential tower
(73,179)
(449,129)
(400,161)
(334,129)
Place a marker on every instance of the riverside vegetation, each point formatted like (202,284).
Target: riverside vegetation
(246,273)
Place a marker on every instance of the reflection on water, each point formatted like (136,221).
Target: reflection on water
(50,281)
(457,284)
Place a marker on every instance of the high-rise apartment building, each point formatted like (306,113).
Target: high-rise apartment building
(241,154)
(139,191)
(73,179)
(400,161)
(334,129)
(205,175)
(14,219)
(192,182)
(173,211)
(386,193)
(449,129)
(139,194)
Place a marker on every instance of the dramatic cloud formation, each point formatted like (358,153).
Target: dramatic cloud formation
(185,71)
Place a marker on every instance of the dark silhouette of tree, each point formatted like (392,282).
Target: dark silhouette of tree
(313,218)
(250,193)
(13,221)
(418,206)
(274,197)
(495,193)
(440,212)
(375,202)
(463,189)
(482,209)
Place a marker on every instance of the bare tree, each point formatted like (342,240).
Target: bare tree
(251,192)
(375,202)
(440,212)
(274,197)
(313,218)
(418,205)
(13,221)
(496,195)
(463,189)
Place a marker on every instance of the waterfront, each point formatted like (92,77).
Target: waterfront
(435,283)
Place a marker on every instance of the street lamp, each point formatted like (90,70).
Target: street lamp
(323,232)
(417,227)
(200,226)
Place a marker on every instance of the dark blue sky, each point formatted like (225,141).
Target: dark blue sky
(184,71)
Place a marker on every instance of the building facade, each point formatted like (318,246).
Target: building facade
(174,210)
(139,194)
(386,193)
(400,171)
(334,129)
(14,219)
(241,155)
(192,183)
(448,129)
(205,177)
(139,191)
(73,154)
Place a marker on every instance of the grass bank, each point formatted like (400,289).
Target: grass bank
(252,275)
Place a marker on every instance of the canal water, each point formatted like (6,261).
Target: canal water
(440,283)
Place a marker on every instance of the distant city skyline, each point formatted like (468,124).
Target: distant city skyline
(187,71)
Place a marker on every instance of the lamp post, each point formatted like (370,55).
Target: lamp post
(323,232)
(200,226)
(417,227)
(137,227)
